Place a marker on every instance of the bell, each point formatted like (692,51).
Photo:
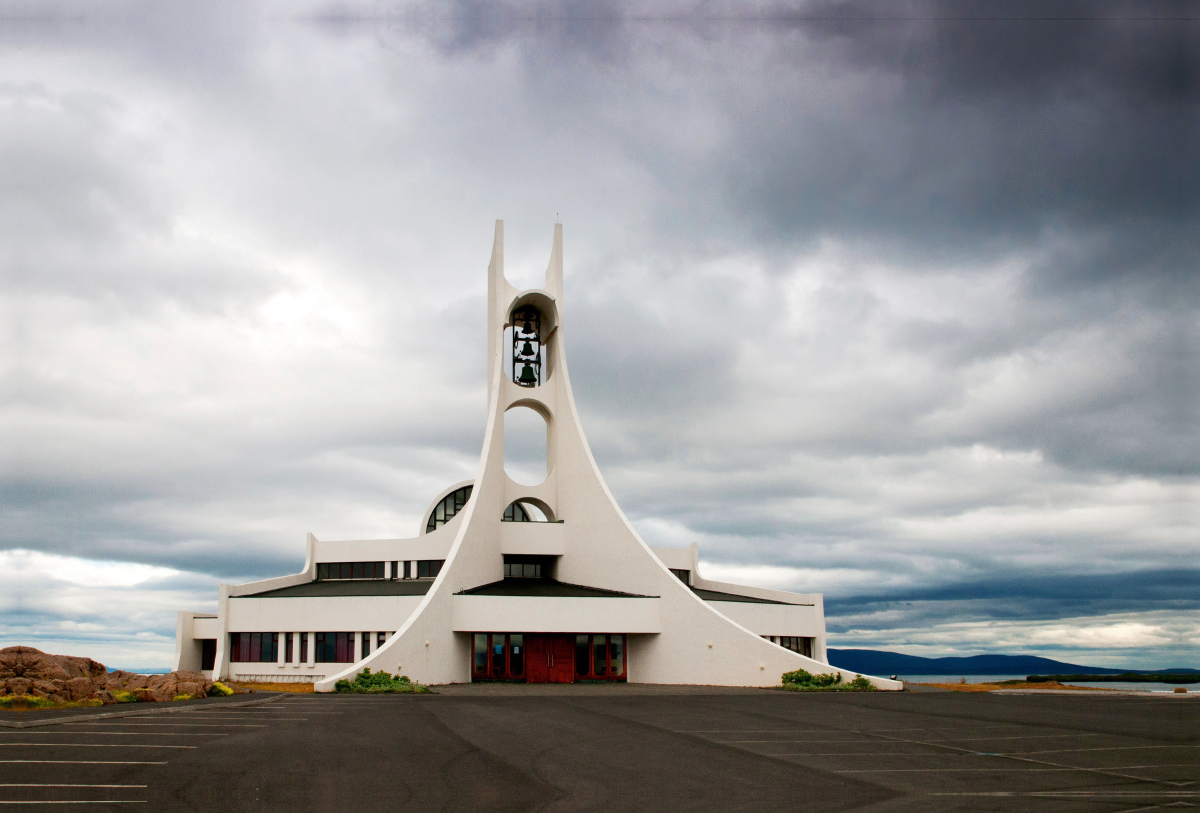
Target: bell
(527,377)
(528,328)
(527,350)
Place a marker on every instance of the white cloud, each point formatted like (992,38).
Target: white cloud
(834,328)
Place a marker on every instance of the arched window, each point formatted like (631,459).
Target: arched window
(516,513)
(450,505)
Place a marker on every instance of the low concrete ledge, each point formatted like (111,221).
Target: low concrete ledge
(532,538)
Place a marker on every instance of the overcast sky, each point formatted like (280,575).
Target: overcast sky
(902,309)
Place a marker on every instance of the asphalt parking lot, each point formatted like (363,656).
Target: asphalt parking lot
(614,748)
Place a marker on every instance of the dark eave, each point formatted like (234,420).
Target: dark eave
(714,595)
(544,588)
(349,587)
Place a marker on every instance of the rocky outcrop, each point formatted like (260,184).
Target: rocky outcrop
(61,678)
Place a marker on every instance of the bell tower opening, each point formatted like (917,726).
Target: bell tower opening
(525,446)
(527,347)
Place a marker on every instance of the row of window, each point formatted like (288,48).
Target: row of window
(421,569)
(351,570)
(522,570)
(802,646)
(328,647)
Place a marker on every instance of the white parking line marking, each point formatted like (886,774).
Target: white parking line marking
(73,762)
(51,785)
(177,725)
(89,745)
(955,739)
(117,734)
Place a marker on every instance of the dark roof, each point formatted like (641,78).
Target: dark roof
(348,587)
(544,588)
(714,595)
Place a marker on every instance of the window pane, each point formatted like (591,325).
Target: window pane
(255,647)
(303,647)
(480,653)
(380,638)
(423,569)
(599,656)
(581,655)
(366,645)
(435,567)
(617,650)
(497,656)
(516,655)
(274,647)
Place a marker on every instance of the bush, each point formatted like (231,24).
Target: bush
(219,690)
(366,682)
(802,678)
(181,696)
(122,696)
(802,681)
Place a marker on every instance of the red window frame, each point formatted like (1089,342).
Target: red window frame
(591,643)
(487,667)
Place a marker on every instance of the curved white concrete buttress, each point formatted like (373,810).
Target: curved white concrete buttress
(696,644)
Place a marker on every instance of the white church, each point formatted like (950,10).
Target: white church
(506,582)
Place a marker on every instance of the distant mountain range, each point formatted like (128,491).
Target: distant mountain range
(878,663)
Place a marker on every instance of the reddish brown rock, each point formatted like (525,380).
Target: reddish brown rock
(25,670)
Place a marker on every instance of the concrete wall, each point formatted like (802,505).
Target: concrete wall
(537,614)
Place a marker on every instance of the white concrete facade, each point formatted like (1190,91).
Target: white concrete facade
(598,577)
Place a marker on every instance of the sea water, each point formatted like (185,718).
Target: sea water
(1122,685)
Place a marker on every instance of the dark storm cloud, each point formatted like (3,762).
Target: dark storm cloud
(893,301)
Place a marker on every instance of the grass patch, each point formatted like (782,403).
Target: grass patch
(379,683)
(294,688)
(27,702)
(802,681)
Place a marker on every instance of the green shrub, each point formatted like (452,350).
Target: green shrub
(803,678)
(122,696)
(219,689)
(802,681)
(366,682)
(181,696)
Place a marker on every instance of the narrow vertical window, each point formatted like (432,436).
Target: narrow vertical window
(304,647)
(408,570)
(617,653)
(380,638)
(582,667)
(498,655)
(481,654)
(366,645)
(288,649)
(516,655)
(599,656)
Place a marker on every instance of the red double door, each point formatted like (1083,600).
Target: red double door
(550,659)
